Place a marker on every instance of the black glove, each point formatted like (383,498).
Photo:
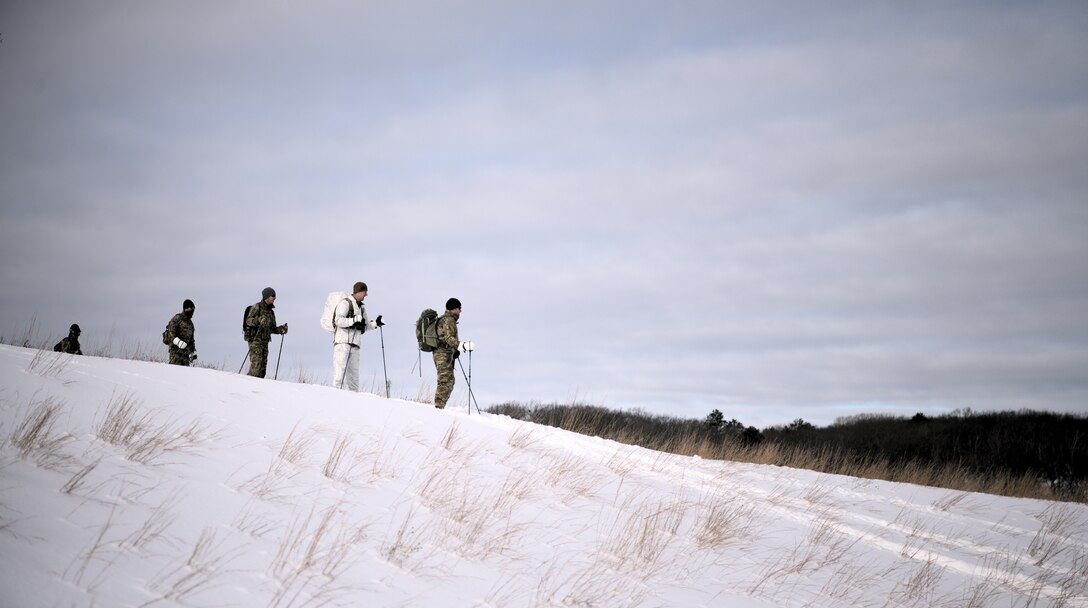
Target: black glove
(456,354)
(379,321)
(359,325)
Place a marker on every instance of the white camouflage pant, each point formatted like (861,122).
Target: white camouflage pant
(345,367)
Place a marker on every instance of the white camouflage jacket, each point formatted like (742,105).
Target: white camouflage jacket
(348,311)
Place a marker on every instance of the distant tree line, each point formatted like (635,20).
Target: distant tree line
(1053,447)
(1050,448)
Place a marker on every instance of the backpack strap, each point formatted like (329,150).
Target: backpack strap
(334,325)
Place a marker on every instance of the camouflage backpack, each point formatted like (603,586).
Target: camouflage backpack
(427,330)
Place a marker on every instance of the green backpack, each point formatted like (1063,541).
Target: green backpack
(427,330)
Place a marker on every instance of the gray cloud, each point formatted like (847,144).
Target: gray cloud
(778,212)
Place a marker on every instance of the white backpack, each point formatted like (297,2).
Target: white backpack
(331,302)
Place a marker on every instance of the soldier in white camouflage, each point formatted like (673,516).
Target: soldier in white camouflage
(447,352)
(262,322)
(349,322)
(182,335)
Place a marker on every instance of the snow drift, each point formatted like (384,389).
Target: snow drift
(126,483)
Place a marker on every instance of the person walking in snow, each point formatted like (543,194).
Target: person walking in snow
(70,344)
(449,348)
(349,323)
(261,321)
(181,336)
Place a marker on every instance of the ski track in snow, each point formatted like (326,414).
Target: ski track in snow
(447,508)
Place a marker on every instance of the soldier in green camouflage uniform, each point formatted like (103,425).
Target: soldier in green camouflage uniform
(262,322)
(447,351)
(70,344)
(182,335)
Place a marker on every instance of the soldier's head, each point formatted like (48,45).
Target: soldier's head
(268,295)
(187,308)
(74,330)
(453,305)
(359,291)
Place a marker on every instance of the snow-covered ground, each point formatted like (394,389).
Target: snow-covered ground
(126,483)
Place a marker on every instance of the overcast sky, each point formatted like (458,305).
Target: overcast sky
(779,210)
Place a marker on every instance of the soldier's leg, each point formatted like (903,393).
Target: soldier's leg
(258,358)
(351,367)
(339,364)
(178,357)
(253,350)
(264,360)
(443,364)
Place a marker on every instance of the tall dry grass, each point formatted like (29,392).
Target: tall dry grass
(35,437)
(825,459)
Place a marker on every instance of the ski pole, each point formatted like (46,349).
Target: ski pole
(469,383)
(381,333)
(244,359)
(277,376)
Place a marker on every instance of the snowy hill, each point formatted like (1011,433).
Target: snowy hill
(126,483)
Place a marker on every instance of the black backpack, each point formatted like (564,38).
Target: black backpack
(248,332)
(166,333)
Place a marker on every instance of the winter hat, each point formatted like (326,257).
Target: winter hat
(453,304)
(187,304)
(74,328)
(267,291)
(359,286)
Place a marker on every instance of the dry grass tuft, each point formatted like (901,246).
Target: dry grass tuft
(917,588)
(640,542)
(49,364)
(207,562)
(334,464)
(313,553)
(723,524)
(450,437)
(29,336)
(522,437)
(94,552)
(825,547)
(276,483)
(405,547)
(35,439)
(1059,523)
(295,447)
(143,440)
(155,526)
(76,481)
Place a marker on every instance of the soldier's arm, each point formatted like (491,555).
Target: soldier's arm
(172,328)
(252,318)
(447,333)
(272,327)
(344,315)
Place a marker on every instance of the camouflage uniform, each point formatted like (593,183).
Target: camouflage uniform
(69,345)
(181,327)
(444,357)
(262,320)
